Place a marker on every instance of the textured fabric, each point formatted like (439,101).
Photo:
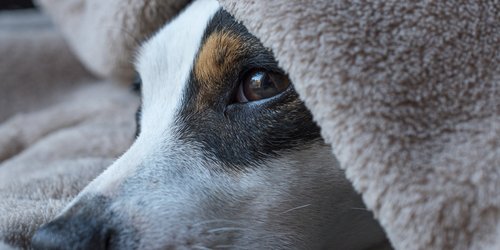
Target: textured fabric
(105,34)
(28,44)
(59,126)
(407,94)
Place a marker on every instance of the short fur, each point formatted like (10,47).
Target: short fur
(206,172)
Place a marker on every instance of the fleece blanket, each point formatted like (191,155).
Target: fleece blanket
(406,92)
(59,125)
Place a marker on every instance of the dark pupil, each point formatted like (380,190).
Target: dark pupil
(260,86)
(261,81)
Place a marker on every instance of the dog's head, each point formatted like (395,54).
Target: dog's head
(227,156)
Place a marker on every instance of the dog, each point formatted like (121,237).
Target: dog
(226,157)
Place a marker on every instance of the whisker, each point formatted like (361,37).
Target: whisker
(224,246)
(215,221)
(293,209)
(201,248)
(229,246)
(222,229)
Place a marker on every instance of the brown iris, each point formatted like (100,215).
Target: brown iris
(260,84)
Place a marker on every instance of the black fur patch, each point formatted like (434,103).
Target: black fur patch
(242,134)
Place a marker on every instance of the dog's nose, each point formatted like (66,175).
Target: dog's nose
(71,233)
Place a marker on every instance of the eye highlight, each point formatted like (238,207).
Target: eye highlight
(259,84)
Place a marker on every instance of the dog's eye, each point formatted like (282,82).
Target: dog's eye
(260,84)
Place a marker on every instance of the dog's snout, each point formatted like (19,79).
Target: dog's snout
(75,233)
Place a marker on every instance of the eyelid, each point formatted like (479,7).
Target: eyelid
(271,68)
(240,96)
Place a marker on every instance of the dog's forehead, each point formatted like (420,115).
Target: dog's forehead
(190,71)
(165,61)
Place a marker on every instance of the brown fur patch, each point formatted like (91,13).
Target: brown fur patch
(220,51)
(218,57)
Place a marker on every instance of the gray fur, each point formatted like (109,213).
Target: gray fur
(167,194)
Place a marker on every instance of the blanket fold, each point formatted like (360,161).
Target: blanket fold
(407,94)
(60,127)
(105,34)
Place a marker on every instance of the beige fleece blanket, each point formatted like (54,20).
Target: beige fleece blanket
(406,92)
(59,125)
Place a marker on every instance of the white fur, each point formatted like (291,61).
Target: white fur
(164,63)
(165,190)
